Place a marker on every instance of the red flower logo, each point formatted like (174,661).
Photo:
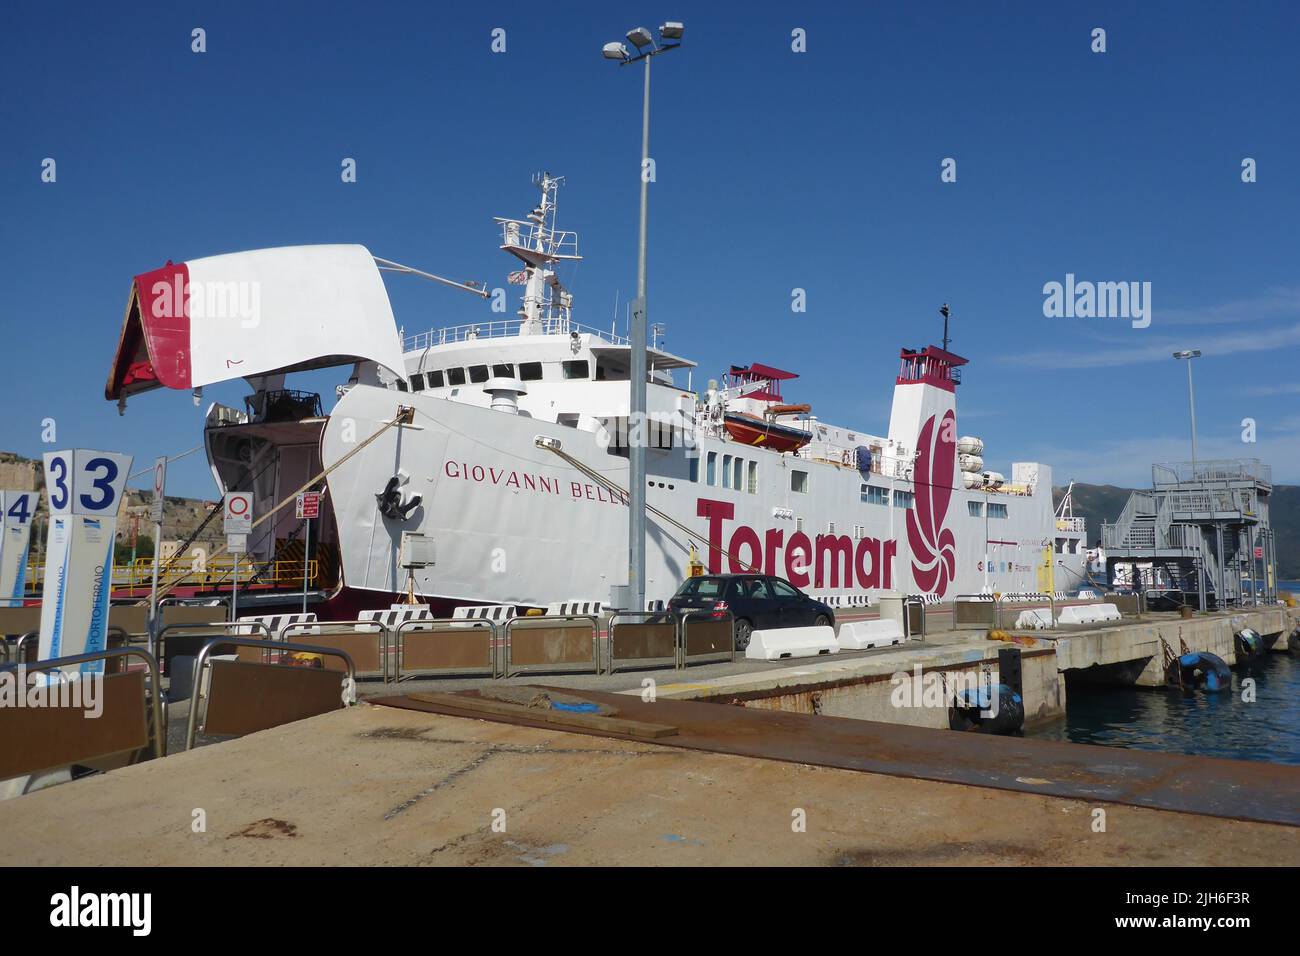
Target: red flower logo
(934,550)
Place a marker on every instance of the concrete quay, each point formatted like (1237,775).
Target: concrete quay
(904,684)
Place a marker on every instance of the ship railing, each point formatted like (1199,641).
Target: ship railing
(502,328)
(525,234)
(1071,525)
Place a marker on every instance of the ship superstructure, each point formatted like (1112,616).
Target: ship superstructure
(502,447)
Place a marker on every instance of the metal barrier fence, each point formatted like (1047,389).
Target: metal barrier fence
(369,649)
(448,645)
(542,643)
(648,640)
(707,639)
(916,601)
(256,696)
(131,719)
(975,611)
(191,636)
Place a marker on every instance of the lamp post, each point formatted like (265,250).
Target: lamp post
(1190,354)
(671,36)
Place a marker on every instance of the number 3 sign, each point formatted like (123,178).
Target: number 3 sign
(85,482)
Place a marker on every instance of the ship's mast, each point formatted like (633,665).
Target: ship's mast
(546,306)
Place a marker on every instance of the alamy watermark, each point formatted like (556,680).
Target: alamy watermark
(43,689)
(1102,300)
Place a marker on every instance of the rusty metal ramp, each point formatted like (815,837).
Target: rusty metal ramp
(1234,789)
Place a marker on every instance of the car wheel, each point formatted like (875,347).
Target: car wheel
(822,621)
(743,630)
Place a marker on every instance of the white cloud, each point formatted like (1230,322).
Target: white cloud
(1145,349)
(1278,302)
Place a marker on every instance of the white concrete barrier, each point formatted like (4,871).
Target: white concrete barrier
(1037,619)
(780,643)
(1088,614)
(861,635)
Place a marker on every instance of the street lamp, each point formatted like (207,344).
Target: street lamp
(1190,354)
(670,35)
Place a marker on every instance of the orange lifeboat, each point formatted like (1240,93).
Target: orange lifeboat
(752,430)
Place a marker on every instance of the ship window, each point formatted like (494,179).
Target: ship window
(997,511)
(435,379)
(417,382)
(504,371)
(455,376)
(735,473)
(695,467)
(903,499)
(711,469)
(798,524)
(401,385)
(530,371)
(726,472)
(478,374)
(753,478)
(578,368)
(875,496)
(975,509)
(799,482)
(661,433)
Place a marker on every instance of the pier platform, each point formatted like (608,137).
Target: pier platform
(866,685)
(384,785)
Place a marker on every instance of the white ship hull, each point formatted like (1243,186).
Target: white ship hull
(513,523)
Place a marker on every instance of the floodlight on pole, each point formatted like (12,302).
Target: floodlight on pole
(640,38)
(646,49)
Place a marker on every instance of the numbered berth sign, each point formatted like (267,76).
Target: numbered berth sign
(84,482)
(17,508)
(84,489)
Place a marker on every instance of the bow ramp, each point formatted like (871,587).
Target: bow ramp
(250,313)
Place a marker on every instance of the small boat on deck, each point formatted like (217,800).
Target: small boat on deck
(763,432)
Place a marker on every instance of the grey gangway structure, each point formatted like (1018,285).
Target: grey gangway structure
(1203,528)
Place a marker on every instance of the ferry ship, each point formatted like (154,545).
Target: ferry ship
(488,463)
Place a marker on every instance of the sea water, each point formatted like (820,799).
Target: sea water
(1223,724)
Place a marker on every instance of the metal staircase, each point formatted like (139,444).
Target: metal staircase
(1207,518)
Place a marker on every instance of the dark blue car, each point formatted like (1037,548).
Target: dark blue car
(756,601)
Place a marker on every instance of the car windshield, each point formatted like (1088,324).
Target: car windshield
(701,587)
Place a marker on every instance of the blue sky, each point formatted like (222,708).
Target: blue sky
(776,170)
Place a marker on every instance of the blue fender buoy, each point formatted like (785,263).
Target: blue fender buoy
(1199,670)
(976,710)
